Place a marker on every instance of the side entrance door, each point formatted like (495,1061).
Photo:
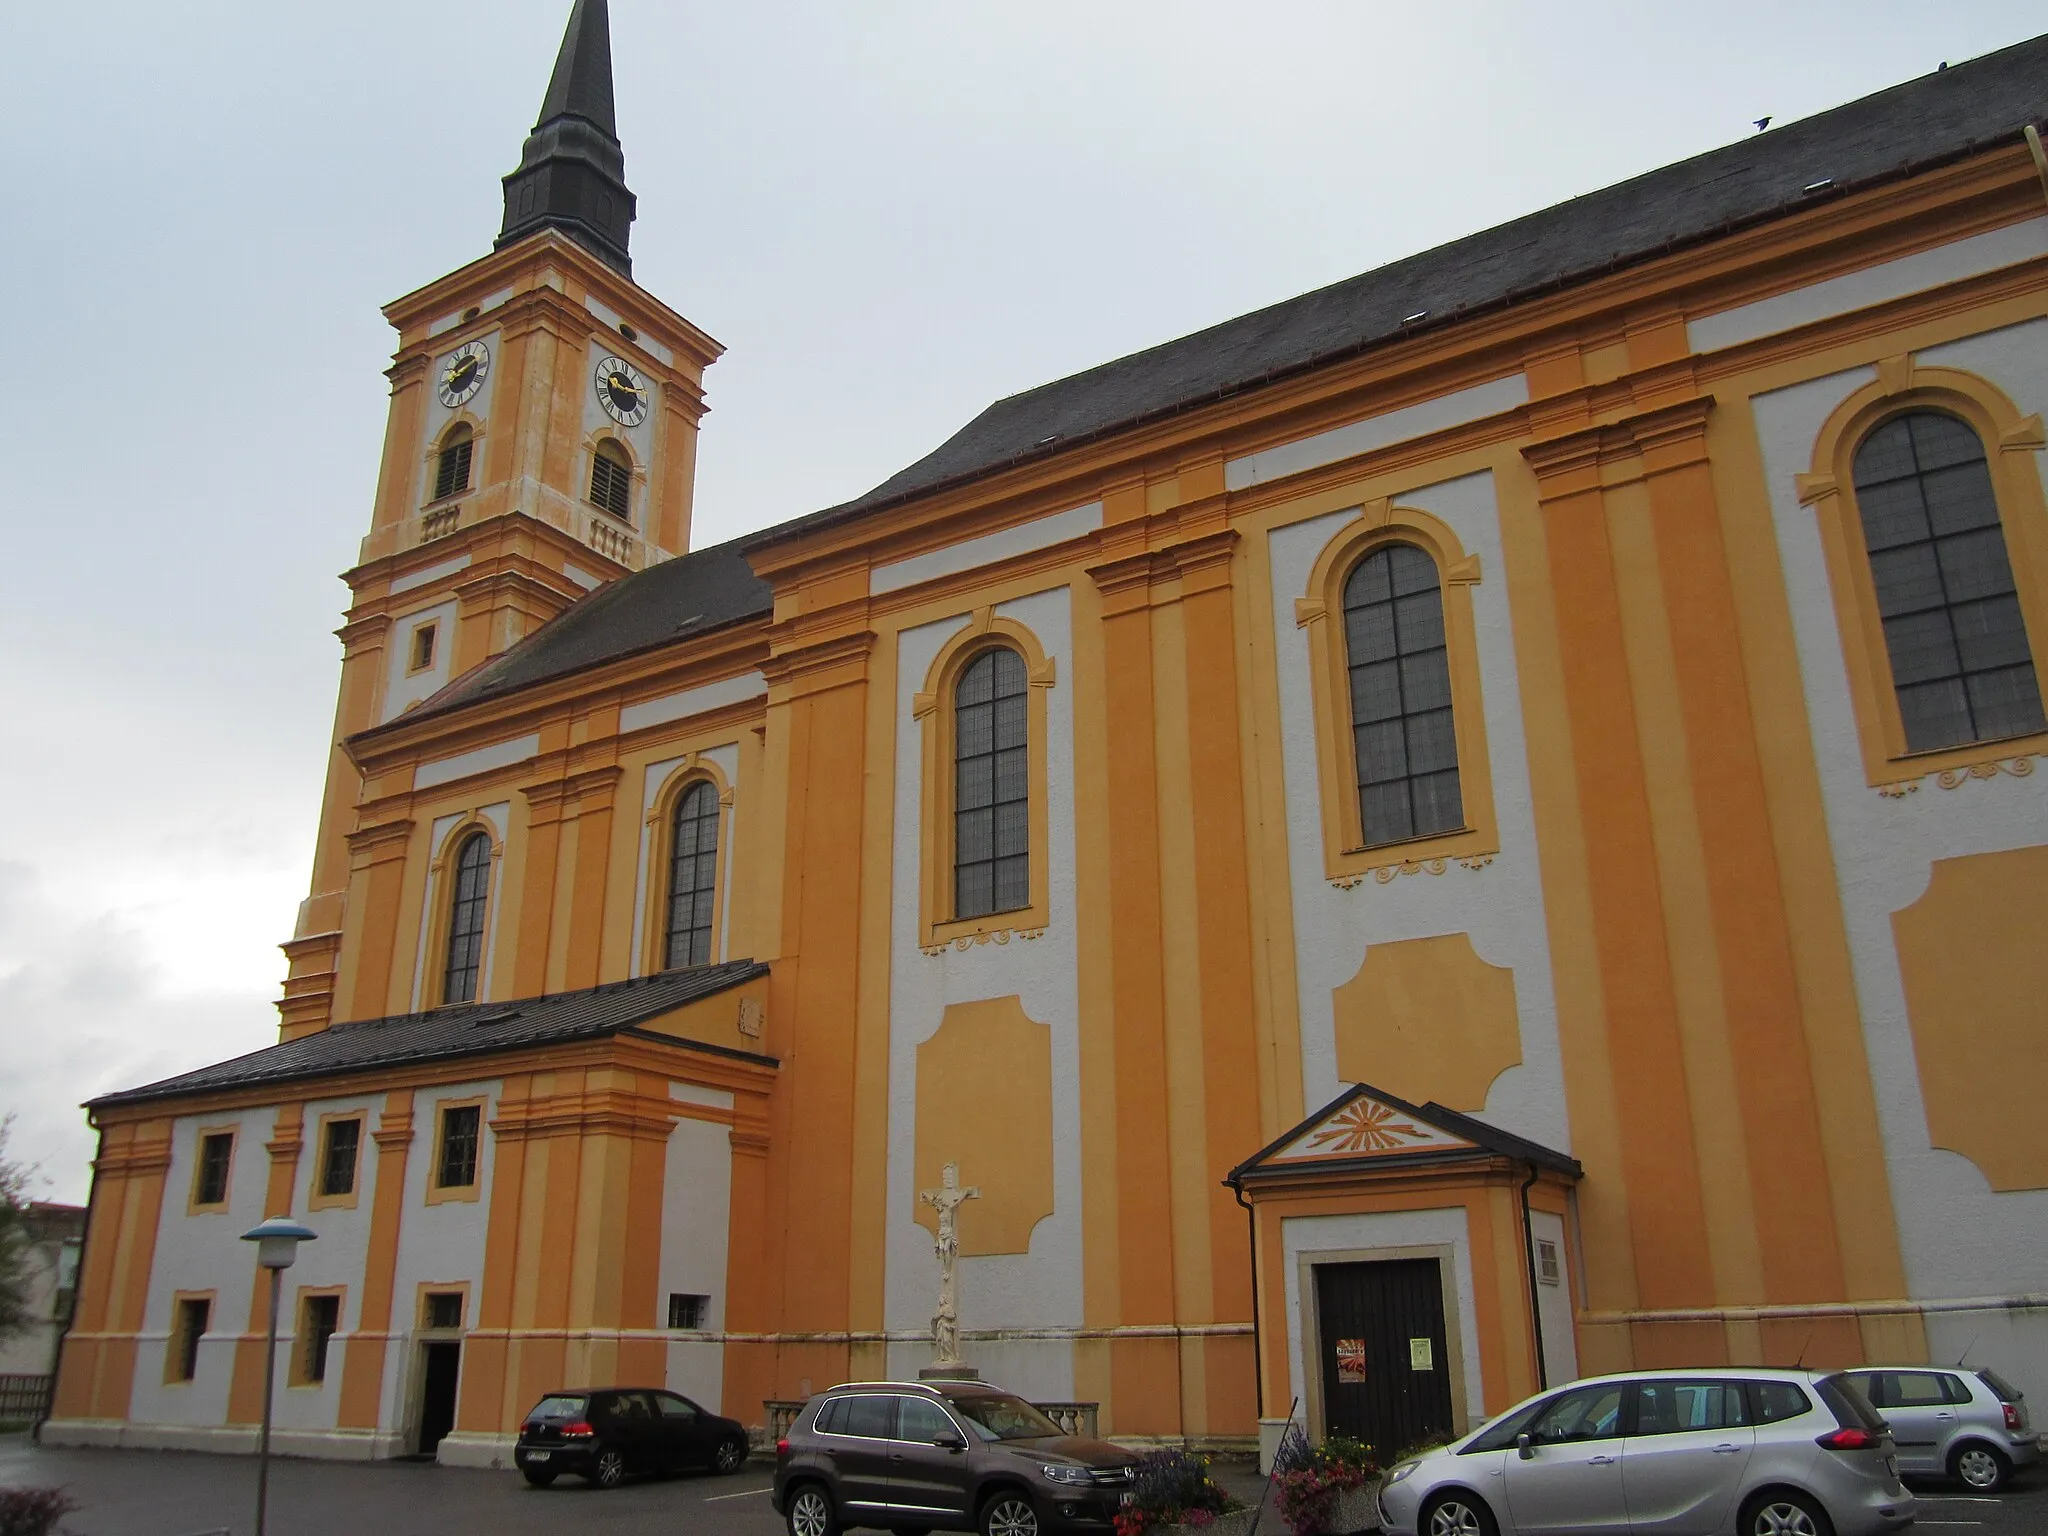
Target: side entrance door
(440,1372)
(1385,1377)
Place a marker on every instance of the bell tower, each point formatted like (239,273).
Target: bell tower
(541,442)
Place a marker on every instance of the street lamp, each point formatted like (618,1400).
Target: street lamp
(277,1240)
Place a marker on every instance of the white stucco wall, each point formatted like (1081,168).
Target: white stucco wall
(1500,905)
(1041,1288)
(1960,1239)
(696,1209)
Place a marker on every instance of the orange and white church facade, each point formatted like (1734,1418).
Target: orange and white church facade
(1479,825)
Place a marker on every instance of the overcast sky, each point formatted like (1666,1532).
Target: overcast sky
(891,213)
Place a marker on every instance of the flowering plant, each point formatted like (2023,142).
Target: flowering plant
(1172,1488)
(1308,1479)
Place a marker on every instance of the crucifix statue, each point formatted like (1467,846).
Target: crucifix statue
(946,1201)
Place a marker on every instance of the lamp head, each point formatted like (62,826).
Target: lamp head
(277,1240)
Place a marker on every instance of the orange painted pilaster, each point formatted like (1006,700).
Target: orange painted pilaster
(362,1368)
(96,1378)
(596,792)
(376,872)
(546,809)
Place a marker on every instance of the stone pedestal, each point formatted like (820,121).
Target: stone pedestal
(948,1373)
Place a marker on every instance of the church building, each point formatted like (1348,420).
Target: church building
(1472,827)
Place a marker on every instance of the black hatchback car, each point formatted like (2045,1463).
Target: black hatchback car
(943,1455)
(603,1435)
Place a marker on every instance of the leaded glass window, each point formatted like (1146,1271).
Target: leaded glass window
(1405,745)
(692,875)
(991,786)
(1960,661)
(466,919)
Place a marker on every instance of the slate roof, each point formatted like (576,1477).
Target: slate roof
(1895,133)
(690,595)
(1489,1138)
(467,1029)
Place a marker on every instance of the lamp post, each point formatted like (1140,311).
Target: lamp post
(277,1240)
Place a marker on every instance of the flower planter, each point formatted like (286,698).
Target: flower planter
(1355,1509)
(1236,1522)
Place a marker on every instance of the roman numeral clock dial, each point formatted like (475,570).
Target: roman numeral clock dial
(463,374)
(622,391)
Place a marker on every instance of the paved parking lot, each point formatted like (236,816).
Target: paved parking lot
(167,1493)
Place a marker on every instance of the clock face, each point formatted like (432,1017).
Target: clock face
(463,374)
(622,392)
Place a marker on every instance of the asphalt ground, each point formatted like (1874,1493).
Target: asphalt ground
(172,1493)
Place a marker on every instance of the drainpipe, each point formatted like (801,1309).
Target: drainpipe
(1535,1305)
(1251,1227)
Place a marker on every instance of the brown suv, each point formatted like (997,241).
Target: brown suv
(943,1455)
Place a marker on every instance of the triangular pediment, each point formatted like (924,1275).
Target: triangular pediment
(1364,1124)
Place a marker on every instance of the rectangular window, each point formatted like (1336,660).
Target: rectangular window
(1546,1261)
(318,1322)
(194,1312)
(686,1311)
(216,1158)
(444,1309)
(422,648)
(338,1157)
(451,473)
(456,1166)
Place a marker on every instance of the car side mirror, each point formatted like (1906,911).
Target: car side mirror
(949,1442)
(1525,1446)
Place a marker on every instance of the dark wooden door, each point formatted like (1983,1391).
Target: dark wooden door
(1385,1377)
(437,1394)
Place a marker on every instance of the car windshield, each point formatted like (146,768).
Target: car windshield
(1003,1418)
(2007,1392)
(559,1408)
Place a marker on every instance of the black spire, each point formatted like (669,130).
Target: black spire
(572,172)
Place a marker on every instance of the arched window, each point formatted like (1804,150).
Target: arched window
(466,919)
(1961,666)
(611,479)
(692,875)
(991,786)
(451,470)
(1405,745)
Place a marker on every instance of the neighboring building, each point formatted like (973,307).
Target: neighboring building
(1517,768)
(28,1359)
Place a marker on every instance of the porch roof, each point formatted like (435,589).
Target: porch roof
(1367,1130)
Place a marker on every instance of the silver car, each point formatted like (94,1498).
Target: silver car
(1965,1424)
(1680,1453)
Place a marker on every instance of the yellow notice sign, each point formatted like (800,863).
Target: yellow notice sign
(1421,1355)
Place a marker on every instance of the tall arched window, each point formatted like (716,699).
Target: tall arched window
(991,786)
(611,479)
(1405,745)
(692,875)
(1953,631)
(466,919)
(451,469)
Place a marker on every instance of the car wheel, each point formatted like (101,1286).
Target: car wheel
(1785,1513)
(609,1470)
(1458,1514)
(732,1455)
(540,1479)
(1980,1466)
(811,1512)
(1009,1513)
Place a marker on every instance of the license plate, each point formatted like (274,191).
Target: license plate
(538,1455)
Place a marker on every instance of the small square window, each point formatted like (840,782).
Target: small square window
(216,1158)
(444,1309)
(687,1311)
(422,656)
(1546,1261)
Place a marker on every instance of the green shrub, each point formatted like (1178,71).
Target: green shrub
(33,1511)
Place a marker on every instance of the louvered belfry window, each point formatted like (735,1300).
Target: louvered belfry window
(991,786)
(451,471)
(466,919)
(1961,665)
(611,481)
(1402,732)
(692,875)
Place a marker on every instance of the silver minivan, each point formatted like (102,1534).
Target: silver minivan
(1967,1424)
(1677,1453)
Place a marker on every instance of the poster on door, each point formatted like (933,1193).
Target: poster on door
(1351,1362)
(1421,1355)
